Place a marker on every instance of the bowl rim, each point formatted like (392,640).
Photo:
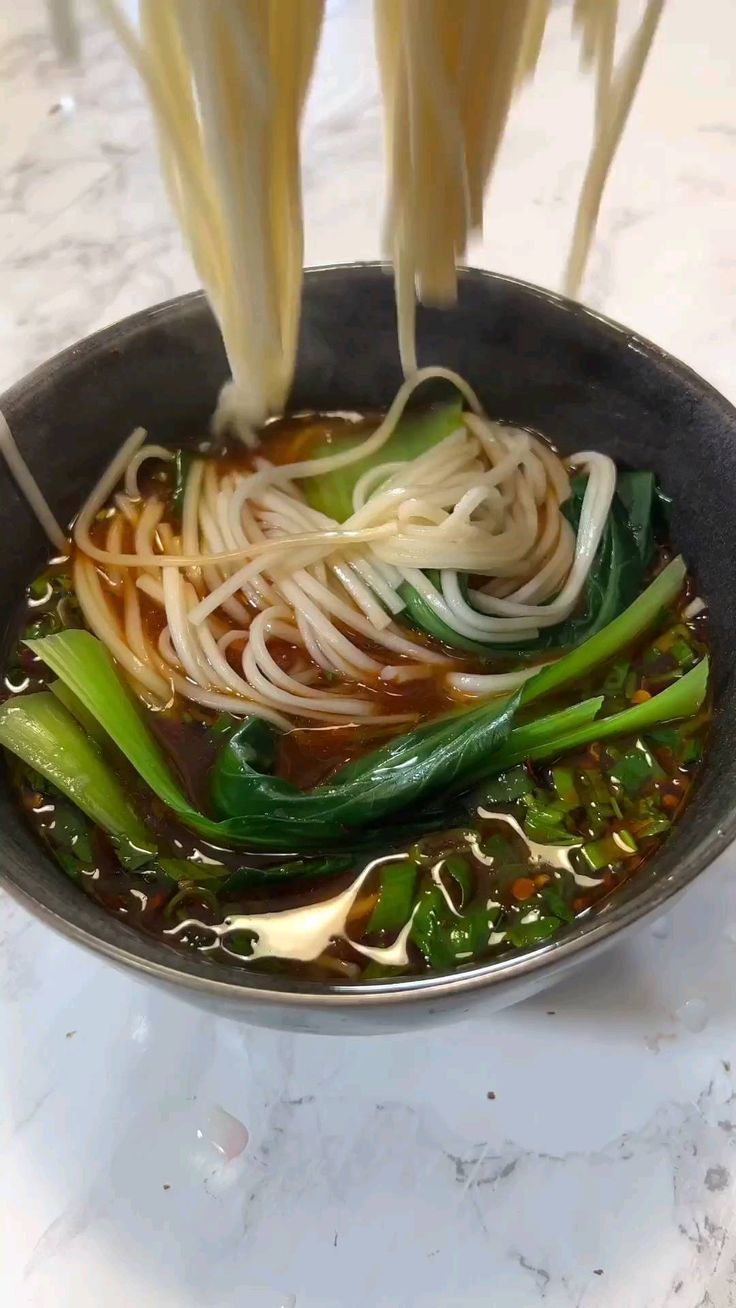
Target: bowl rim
(154,958)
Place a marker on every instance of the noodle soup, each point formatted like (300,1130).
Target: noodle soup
(420,709)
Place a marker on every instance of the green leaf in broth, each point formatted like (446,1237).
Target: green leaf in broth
(523,935)
(615,578)
(332,492)
(396,896)
(135,857)
(431,761)
(554,901)
(187,869)
(183,461)
(445,938)
(39,730)
(71,831)
(77,709)
(638,494)
(408,770)
(680,700)
(641,615)
(85,666)
(294,869)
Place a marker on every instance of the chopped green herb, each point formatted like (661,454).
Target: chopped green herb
(555,902)
(525,934)
(615,679)
(599,854)
(396,896)
(634,771)
(563,781)
(509,786)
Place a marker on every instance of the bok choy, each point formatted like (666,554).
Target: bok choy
(332,492)
(435,760)
(616,576)
(41,732)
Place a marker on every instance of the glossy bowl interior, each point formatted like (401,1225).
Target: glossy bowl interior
(535,360)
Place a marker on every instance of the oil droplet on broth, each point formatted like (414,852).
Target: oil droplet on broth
(693,1014)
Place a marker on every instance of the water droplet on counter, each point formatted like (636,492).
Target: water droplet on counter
(227,1134)
(730,932)
(693,1014)
(662,928)
(288,1302)
(140,1029)
(65,106)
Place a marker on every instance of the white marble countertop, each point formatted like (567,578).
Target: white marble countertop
(576,1151)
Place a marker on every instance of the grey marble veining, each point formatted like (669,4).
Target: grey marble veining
(577,1151)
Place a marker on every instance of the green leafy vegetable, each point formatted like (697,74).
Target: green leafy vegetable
(436,759)
(525,934)
(40,731)
(508,786)
(614,682)
(87,669)
(252,744)
(293,869)
(332,492)
(554,901)
(616,576)
(690,754)
(634,771)
(185,869)
(71,832)
(458,867)
(408,770)
(446,939)
(681,700)
(134,858)
(638,494)
(599,854)
(183,461)
(653,824)
(497,847)
(545,824)
(429,929)
(640,616)
(75,706)
(525,742)
(396,897)
(565,787)
(682,652)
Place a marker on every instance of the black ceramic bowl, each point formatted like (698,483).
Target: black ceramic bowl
(535,360)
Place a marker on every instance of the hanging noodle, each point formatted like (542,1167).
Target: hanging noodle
(449,72)
(227,83)
(615,94)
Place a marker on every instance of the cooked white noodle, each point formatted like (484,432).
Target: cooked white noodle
(251,563)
